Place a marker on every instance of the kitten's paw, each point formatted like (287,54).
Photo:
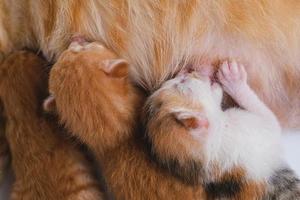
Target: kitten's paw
(232,76)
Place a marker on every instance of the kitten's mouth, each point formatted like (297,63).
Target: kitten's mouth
(183,80)
(197,74)
(214,79)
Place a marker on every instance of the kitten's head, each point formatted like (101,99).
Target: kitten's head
(91,54)
(92,73)
(99,67)
(179,117)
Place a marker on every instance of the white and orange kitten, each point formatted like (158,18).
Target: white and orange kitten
(238,149)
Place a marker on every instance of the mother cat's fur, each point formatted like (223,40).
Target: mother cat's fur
(158,37)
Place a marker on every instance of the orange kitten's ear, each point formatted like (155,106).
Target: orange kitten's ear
(49,104)
(116,67)
(191,119)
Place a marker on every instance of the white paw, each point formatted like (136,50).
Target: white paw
(232,76)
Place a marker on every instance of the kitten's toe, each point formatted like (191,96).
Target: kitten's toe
(225,69)
(242,72)
(233,67)
(221,77)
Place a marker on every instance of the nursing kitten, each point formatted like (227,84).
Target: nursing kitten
(46,165)
(160,37)
(239,150)
(97,102)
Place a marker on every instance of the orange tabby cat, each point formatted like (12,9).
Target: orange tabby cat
(96,101)
(46,165)
(160,37)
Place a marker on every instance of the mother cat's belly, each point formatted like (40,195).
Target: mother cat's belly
(274,75)
(172,34)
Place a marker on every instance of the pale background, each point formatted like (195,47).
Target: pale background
(290,141)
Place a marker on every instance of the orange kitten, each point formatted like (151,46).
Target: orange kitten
(97,102)
(160,37)
(46,165)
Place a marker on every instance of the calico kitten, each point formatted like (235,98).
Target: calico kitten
(160,37)
(234,153)
(46,165)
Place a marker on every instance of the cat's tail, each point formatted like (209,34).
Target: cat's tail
(283,185)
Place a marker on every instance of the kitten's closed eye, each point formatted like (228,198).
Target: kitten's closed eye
(191,119)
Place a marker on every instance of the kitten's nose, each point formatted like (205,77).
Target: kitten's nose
(183,79)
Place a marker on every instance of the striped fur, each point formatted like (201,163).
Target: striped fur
(159,37)
(105,119)
(102,111)
(46,165)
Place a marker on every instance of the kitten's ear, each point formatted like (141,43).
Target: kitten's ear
(116,67)
(49,104)
(191,119)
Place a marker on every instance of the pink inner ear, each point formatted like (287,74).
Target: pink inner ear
(195,123)
(192,120)
(203,123)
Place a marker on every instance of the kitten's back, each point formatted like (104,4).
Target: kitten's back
(46,165)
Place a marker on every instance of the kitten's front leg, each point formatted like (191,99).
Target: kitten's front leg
(233,78)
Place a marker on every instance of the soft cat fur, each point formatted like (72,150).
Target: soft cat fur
(196,141)
(97,102)
(78,83)
(160,37)
(4,150)
(46,165)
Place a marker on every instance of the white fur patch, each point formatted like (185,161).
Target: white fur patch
(245,140)
(236,138)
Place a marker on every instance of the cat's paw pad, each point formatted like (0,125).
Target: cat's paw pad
(232,75)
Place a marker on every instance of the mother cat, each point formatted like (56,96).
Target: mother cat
(159,37)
